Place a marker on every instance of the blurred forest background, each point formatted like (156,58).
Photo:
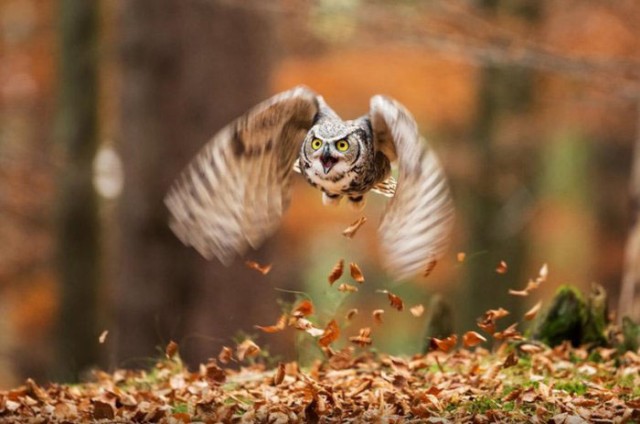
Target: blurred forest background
(533,107)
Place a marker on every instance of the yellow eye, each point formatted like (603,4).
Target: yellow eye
(342,145)
(316,144)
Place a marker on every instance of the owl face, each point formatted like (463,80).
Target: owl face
(332,153)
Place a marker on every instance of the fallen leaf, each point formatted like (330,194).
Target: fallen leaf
(347,288)
(461,256)
(278,377)
(330,334)
(214,373)
(171,350)
(363,338)
(352,229)
(352,312)
(247,349)
(356,273)
(501,268)
(103,336)
(225,355)
(102,410)
(278,326)
(336,272)
(471,338)
(417,310)
(531,313)
(445,345)
(377,316)
(430,266)
(304,309)
(262,269)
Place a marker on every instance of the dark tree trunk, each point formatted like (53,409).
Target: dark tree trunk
(188,68)
(77,216)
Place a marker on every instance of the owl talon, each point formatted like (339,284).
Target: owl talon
(357,203)
(331,199)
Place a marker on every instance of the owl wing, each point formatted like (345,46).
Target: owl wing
(417,222)
(233,193)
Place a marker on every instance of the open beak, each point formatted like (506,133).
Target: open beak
(327,160)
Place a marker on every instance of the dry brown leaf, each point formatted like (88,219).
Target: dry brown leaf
(347,288)
(363,338)
(214,373)
(509,333)
(352,229)
(304,309)
(488,321)
(502,268)
(417,310)
(171,350)
(394,300)
(461,256)
(330,334)
(103,336)
(510,361)
(262,269)
(531,313)
(430,266)
(352,313)
(278,326)
(278,377)
(522,293)
(445,345)
(356,273)
(246,349)
(225,355)
(471,338)
(336,272)
(377,316)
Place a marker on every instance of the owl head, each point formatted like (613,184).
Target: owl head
(332,147)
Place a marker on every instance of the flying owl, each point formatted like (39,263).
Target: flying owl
(234,192)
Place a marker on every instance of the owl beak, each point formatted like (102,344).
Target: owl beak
(327,160)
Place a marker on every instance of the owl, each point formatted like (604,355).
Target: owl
(234,192)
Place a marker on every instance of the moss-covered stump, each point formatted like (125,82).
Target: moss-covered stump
(524,384)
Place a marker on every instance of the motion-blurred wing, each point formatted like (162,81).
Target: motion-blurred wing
(416,225)
(233,193)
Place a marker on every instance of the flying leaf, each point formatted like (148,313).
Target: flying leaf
(394,300)
(471,338)
(510,361)
(262,269)
(352,229)
(531,313)
(225,355)
(347,288)
(417,310)
(278,326)
(352,313)
(509,333)
(246,349)
(488,321)
(502,268)
(445,345)
(522,293)
(278,377)
(363,338)
(356,273)
(461,256)
(171,350)
(304,309)
(430,266)
(336,272)
(330,335)
(377,316)
(103,336)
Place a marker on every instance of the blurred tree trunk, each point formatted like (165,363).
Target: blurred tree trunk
(77,210)
(188,68)
(495,231)
(629,304)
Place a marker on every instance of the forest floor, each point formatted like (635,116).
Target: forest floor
(518,382)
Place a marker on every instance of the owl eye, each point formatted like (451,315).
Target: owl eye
(342,145)
(316,144)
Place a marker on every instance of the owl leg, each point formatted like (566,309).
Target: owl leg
(357,202)
(331,199)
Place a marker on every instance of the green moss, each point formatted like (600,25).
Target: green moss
(572,387)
